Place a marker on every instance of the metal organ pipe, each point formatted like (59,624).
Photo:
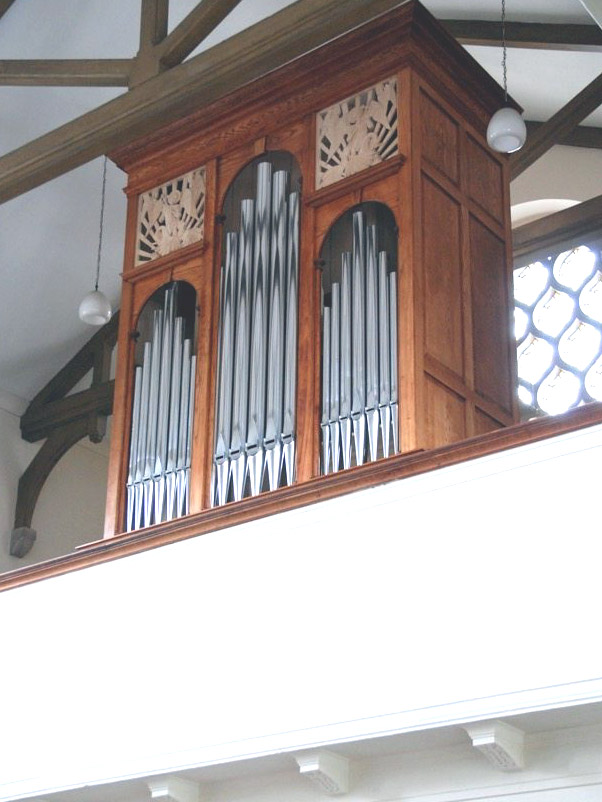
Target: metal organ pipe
(162,414)
(359,355)
(255,416)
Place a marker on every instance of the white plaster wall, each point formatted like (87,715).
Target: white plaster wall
(70,509)
(466,593)
(563,172)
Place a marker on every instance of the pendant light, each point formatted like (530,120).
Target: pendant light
(95,308)
(506,131)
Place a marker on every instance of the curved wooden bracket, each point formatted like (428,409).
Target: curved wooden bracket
(32,481)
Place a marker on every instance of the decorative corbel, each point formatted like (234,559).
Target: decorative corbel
(328,771)
(502,744)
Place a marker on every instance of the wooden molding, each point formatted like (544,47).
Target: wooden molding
(319,489)
(532,35)
(65,72)
(560,125)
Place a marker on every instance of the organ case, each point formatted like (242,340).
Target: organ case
(344,231)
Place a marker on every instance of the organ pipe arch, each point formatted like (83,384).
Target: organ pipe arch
(255,416)
(158,481)
(359,384)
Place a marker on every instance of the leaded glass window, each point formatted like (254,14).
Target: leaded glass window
(558,327)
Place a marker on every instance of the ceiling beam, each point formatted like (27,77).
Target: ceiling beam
(203,79)
(532,35)
(153,22)
(4,6)
(583,136)
(65,72)
(557,127)
(195,27)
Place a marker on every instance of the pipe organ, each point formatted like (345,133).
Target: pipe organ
(316,282)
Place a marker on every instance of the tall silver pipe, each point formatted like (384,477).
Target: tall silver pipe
(153,406)
(358,352)
(189,431)
(372,341)
(142,432)
(335,367)
(183,426)
(393,349)
(325,390)
(225,370)
(133,449)
(163,404)
(240,388)
(384,353)
(174,421)
(290,338)
(275,356)
(345,355)
(257,368)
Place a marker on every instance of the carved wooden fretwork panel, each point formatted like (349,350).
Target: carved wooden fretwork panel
(356,133)
(171,216)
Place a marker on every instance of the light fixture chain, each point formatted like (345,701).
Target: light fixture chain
(102,214)
(504,50)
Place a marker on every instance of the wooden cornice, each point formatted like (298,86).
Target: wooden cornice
(532,35)
(318,489)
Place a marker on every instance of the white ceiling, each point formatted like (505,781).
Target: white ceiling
(49,236)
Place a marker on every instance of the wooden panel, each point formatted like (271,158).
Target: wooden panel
(445,421)
(442,276)
(492,333)
(485,423)
(439,138)
(484,180)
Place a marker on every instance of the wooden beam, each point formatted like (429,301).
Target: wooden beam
(532,35)
(195,27)
(4,6)
(576,225)
(583,136)
(557,127)
(169,96)
(594,9)
(153,22)
(36,424)
(77,367)
(65,72)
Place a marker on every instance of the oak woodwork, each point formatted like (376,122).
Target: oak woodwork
(583,136)
(439,185)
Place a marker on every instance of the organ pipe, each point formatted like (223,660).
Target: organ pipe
(255,405)
(162,414)
(359,355)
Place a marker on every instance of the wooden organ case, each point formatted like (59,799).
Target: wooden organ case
(316,282)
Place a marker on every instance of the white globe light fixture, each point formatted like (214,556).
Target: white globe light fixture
(506,132)
(95,309)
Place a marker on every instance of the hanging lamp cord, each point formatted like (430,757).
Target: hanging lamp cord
(102,215)
(504,50)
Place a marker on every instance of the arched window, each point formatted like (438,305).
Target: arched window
(359,415)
